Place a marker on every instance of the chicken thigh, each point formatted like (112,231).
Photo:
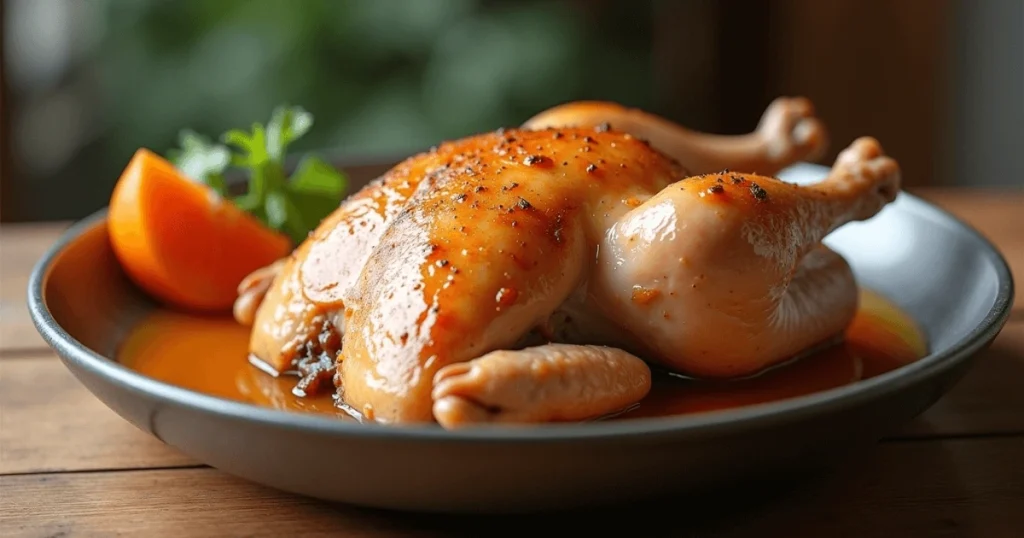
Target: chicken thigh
(521,275)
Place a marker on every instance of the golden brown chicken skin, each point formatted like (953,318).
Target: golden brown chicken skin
(452,254)
(581,242)
(306,297)
(496,237)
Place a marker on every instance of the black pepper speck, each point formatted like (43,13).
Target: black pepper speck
(536,160)
(758,192)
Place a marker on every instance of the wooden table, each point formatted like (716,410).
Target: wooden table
(71,467)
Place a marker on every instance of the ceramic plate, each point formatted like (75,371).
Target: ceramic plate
(944,274)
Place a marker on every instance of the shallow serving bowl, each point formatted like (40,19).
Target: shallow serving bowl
(949,278)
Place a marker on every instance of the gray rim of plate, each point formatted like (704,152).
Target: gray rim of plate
(730,420)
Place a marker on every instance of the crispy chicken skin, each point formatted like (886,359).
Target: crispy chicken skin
(496,278)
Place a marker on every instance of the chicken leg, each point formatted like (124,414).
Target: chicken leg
(788,132)
(725,275)
(548,383)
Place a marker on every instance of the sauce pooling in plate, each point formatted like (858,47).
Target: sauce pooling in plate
(209,355)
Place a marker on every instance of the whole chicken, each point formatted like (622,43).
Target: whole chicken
(531,275)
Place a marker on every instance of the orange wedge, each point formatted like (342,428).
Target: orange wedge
(182,243)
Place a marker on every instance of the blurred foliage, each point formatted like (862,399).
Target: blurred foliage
(381,77)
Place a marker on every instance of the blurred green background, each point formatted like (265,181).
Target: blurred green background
(87,82)
(382,78)
(379,76)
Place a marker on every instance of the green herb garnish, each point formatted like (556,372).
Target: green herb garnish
(294,204)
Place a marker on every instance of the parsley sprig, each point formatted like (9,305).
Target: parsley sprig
(293,205)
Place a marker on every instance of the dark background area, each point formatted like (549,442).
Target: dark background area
(86,82)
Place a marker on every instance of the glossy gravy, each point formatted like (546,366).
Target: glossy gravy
(209,355)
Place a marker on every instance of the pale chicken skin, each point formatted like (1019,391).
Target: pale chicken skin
(498,278)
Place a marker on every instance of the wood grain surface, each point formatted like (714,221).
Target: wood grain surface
(71,467)
(966,487)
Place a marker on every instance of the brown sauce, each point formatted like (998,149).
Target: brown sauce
(209,355)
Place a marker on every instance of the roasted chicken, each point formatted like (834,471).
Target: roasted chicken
(531,275)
